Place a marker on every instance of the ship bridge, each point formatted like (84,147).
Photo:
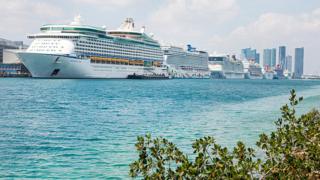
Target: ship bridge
(75,27)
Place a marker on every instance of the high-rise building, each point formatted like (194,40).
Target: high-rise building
(298,62)
(288,63)
(267,58)
(250,54)
(282,56)
(273,57)
(257,59)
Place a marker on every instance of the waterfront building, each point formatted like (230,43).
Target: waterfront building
(13,70)
(10,56)
(298,62)
(282,56)
(10,64)
(267,58)
(7,44)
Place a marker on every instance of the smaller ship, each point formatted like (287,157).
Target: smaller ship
(287,74)
(252,70)
(279,73)
(189,63)
(268,73)
(225,67)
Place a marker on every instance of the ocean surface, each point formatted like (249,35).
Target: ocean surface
(86,129)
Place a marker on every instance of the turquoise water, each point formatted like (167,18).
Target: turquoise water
(84,129)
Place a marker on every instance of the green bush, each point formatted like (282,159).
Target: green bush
(290,152)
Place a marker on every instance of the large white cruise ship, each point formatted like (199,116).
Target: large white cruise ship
(225,67)
(189,63)
(82,51)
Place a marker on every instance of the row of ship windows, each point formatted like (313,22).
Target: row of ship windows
(50,47)
(111,45)
(121,55)
(50,40)
(90,40)
(45,44)
(57,37)
(120,51)
(106,42)
(46,50)
(111,62)
(205,56)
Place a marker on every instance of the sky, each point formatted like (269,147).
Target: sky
(222,26)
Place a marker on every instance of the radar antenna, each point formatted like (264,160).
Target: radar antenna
(127,25)
(77,20)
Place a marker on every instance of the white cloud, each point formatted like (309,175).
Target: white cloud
(190,20)
(21,16)
(108,3)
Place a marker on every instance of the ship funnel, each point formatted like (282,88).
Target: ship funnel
(127,25)
(143,29)
(77,20)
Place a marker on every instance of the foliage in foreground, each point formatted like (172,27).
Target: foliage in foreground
(290,152)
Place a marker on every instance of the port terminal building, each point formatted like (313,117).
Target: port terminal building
(10,65)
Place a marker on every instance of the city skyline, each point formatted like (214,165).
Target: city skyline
(224,26)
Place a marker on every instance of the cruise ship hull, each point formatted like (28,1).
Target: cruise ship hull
(268,76)
(250,76)
(218,70)
(59,66)
(179,73)
(226,75)
(187,67)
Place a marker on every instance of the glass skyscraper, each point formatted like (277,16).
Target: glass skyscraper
(282,56)
(298,62)
(250,54)
(269,57)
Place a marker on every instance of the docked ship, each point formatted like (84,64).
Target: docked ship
(252,70)
(225,67)
(268,75)
(81,51)
(189,63)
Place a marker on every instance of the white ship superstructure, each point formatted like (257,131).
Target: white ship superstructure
(268,75)
(252,70)
(188,63)
(81,51)
(225,67)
